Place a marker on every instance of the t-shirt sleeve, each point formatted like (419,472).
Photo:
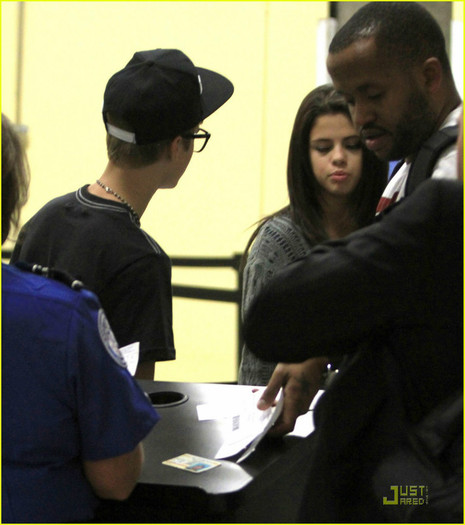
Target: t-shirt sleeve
(112,411)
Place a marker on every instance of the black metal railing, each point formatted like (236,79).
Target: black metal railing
(213,294)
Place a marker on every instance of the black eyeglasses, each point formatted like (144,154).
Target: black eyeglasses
(203,137)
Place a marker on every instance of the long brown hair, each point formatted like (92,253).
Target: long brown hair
(304,190)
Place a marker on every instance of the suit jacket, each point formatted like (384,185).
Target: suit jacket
(390,297)
(398,282)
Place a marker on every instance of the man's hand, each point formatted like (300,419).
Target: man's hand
(300,384)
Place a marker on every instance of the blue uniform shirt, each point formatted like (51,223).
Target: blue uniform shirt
(66,397)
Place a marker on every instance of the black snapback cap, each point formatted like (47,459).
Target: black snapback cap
(161,94)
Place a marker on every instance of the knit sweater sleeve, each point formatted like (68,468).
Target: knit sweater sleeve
(278,243)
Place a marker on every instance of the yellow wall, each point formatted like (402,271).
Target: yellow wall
(457,10)
(266,48)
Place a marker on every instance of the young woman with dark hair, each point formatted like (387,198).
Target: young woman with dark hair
(334,185)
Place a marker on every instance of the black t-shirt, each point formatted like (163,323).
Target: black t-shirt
(97,241)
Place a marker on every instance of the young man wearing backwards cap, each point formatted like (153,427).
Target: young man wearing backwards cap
(152,110)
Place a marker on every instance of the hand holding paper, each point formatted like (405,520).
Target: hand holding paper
(245,425)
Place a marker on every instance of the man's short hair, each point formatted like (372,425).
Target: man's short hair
(405,31)
(127,155)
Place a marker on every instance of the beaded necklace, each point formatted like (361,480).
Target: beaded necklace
(124,201)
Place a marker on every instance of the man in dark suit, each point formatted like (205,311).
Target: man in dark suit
(390,63)
(391,297)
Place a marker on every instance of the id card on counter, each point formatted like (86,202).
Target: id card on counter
(191,463)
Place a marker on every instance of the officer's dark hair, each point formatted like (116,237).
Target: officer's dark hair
(15,177)
(405,31)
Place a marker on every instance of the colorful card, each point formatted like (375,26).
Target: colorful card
(192,463)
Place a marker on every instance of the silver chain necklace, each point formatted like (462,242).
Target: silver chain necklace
(124,201)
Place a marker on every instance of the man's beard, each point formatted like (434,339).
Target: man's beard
(417,125)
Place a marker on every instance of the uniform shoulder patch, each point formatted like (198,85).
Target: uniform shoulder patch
(109,340)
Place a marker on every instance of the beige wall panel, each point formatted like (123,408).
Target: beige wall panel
(9,28)
(206,344)
(457,10)
(266,48)
(291,74)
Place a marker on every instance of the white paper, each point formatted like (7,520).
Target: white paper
(275,411)
(304,425)
(243,423)
(131,356)
(221,410)
(316,399)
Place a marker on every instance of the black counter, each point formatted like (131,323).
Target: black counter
(265,488)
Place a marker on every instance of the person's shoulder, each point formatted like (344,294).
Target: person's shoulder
(450,196)
(46,285)
(271,230)
(281,224)
(440,189)
(453,118)
(446,164)
(57,201)
(432,198)
(49,207)
(279,240)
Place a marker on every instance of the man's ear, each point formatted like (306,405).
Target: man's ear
(173,148)
(433,74)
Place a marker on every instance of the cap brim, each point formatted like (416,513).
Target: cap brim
(216,90)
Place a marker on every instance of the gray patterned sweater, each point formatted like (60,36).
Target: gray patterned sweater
(278,243)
